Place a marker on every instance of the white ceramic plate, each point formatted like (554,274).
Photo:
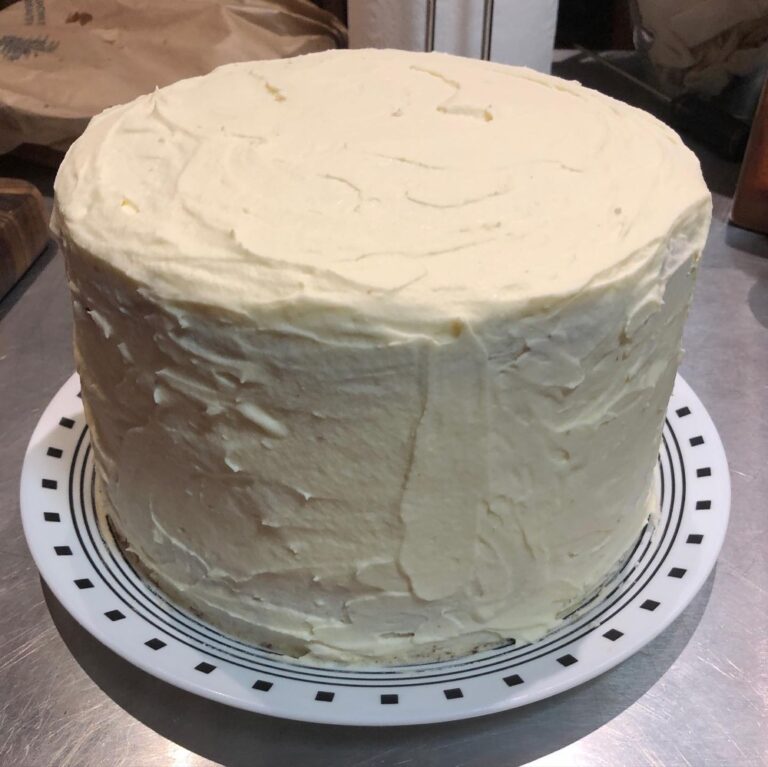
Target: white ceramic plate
(86,571)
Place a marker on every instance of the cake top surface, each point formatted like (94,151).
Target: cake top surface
(396,185)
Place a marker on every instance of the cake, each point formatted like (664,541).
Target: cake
(375,346)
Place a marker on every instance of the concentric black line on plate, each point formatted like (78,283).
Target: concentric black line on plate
(454,670)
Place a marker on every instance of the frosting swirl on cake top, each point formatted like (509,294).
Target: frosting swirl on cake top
(431,189)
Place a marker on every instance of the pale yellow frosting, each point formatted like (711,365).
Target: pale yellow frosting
(375,346)
(380,182)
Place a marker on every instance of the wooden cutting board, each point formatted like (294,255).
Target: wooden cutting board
(750,202)
(23,229)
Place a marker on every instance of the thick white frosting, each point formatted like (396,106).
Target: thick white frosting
(375,346)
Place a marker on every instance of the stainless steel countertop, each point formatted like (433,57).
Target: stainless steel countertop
(695,697)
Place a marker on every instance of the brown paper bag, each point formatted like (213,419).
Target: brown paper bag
(63,61)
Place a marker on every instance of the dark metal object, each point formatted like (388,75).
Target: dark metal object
(429,36)
(487,30)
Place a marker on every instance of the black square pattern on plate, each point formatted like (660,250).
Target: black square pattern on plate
(567,660)
(204,668)
(513,680)
(453,693)
(155,644)
(613,634)
(682,412)
(63,551)
(261,684)
(390,698)
(114,615)
(650,604)
(51,516)
(324,696)
(696,441)
(703,505)
(705,472)
(83,583)
(677,572)
(67,423)
(694,538)
(54,452)
(50,484)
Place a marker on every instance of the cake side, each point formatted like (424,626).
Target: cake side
(382,503)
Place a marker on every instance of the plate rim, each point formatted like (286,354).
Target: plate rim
(389,716)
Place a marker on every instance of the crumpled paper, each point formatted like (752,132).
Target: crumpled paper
(699,45)
(63,61)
